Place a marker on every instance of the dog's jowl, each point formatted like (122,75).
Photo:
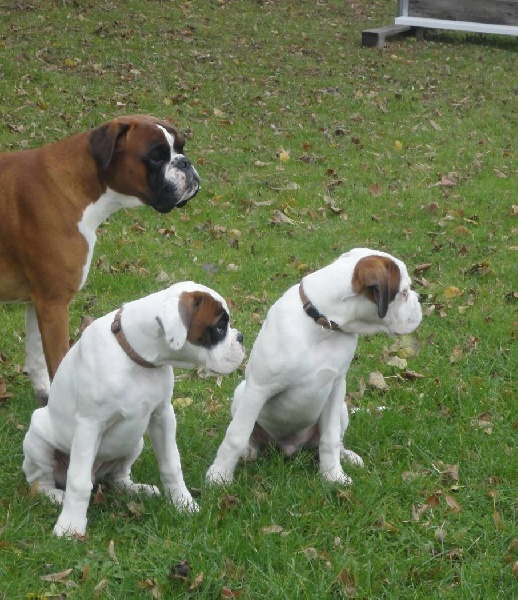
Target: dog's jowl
(52,200)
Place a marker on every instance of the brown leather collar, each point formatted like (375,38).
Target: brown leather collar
(312,312)
(125,345)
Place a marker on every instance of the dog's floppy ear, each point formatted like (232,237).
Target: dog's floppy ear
(378,278)
(103,140)
(171,319)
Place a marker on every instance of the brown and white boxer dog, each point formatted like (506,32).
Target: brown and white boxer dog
(115,383)
(294,388)
(53,198)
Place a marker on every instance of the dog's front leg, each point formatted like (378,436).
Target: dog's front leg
(85,444)
(35,363)
(331,432)
(162,432)
(238,433)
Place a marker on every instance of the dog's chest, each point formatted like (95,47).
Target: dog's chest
(94,214)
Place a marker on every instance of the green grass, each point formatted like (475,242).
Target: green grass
(370,134)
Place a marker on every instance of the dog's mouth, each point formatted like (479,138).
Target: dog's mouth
(188,194)
(165,200)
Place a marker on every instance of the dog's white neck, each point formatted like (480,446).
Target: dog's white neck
(97,212)
(142,329)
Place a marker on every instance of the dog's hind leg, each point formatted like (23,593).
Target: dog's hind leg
(39,465)
(35,365)
(120,474)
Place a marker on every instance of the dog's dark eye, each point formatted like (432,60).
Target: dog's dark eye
(159,154)
(221,327)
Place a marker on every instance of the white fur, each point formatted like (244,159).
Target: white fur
(173,174)
(295,377)
(101,403)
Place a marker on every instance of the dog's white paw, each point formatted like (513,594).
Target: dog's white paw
(137,488)
(183,501)
(53,494)
(336,475)
(219,476)
(351,457)
(69,527)
(144,488)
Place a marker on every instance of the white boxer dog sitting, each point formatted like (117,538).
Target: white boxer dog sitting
(115,383)
(294,388)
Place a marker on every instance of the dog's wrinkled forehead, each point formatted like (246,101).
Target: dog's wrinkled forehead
(204,317)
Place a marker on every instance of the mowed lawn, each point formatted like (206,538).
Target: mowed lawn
(308,145)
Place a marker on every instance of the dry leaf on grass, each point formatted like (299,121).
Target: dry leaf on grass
(228,593)
(198,580)
(376,381)
(55,577)
(111,552)
(272,529)
(151,585)
(453,504)
(4,394)
(347,582)
(182,402)
(103,584)
(135,508)
(395,361)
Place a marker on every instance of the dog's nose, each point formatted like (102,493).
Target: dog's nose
(182,162)
(239,337)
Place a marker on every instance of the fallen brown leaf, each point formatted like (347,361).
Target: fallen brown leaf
(55,577)
(452,503)
(198,580)
(272,529)
(111,552)
(151,585)
(376,381)
(228,593)
(422,267)
(497,520)
(4,394)
(347,581)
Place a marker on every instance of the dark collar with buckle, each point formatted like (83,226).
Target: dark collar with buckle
(125,345)
(311,311)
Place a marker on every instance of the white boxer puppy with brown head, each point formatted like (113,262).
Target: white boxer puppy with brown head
(52,199)
(115,384)
(294,388)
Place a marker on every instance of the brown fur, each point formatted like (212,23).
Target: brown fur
(199,311)
(378,278)
(43,193)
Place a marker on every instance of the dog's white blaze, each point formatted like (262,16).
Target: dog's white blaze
(172,172)
(95,213)
(170,140)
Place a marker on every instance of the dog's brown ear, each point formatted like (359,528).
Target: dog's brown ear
(378,278)
(198,311)
(103,140)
